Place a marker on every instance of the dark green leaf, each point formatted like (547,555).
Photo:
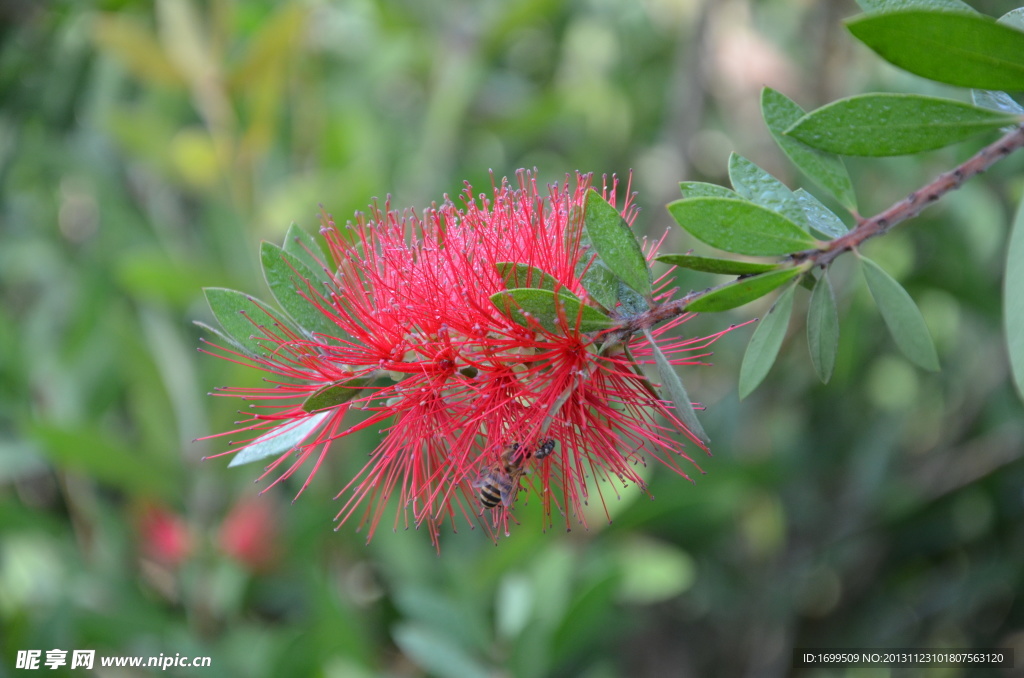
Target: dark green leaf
(280,439)
(522,275)
(242,316)
(901,315)
(823,220)
(549,310)
(616,244)
(740,227)
(995,100)
(304,247)
(900,5)
(761,188)
(293,285)
(968,50)
(743,291)
(780,112)
(674,385)
(699,189)
(1013,300)
(893,124)
(335,394)
(823,328)
(765,343)
(711,265)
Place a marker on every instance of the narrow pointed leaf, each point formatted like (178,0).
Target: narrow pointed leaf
(765,343)
(893,124)
(546,308)
(740,227)
(822,219)
(994,99)
(241,317)
(823,329)
(616,243)
(288,280)
(968,50)
(743,291)
(712,265)
(761,188)
(522,275)
(280,439)
(303,246)
(630,302)
(674,385)
(700,189)
(901,315)
(1013,300)
(335,394)
(230,342)
(825,169)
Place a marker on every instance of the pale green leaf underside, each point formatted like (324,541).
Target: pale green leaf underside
(823,329)
(901,315)
(280,439)
(822,219)
(1013,300)
(674,385)
(765,343)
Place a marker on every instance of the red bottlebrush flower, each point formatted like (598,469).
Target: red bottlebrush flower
(249,534)
(164,536)
(475,395)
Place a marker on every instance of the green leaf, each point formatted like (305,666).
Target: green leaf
(242,316)
(600,283)
(521,275)
(827,170)
(630,302)
(822,219)
(304,247)
(712,265)
(995,100)
(761,188)
(289,279)
(104,457)
(279,439)
(437,653)
(700,189)
(743,291)
(893,124)
(765,343)
(740,227)
(900,5)
(547,309)
(1013,300)
(616,244)
(968,50)
(901,315)
(335,394)
(823,328)
(674,385)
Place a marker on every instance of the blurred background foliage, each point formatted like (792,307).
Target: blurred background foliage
(147,147)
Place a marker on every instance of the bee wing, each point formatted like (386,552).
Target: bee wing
(510,489)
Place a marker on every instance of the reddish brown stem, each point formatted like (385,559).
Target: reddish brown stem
(879,224)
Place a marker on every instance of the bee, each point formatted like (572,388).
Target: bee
(500,483)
